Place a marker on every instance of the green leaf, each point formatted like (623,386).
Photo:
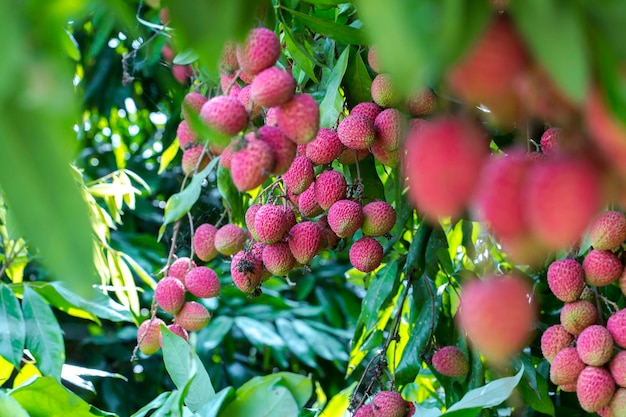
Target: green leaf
(71,46)
(182,364)
(264,397)
(534,388)
(10,407)
(426,411)
(466,412)
(44,337)
(295,343)
(212,335)
(332,104)
(232,197)
(12,327)
(331,29)
(301,56)
(436,242)
(491,395)
(373,187)
(259,333)
(382,288)
(415,259)
(186,57)
(321,343)
(44,395)
(154,404)
(325,2)
(357,81)
(300,386)
(556,36)
(217,402)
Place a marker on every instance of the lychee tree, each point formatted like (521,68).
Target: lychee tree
(436,176)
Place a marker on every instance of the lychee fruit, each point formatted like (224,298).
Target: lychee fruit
(550,140)
(194,159)
(617,366)
(616,324)
(608,230)
(325,148)
(148,336)
(566,279)
(330,187)
(249,219)
(390,127)
(389,404)
(383,92)
(366,254)
(179,268)
(421,103)
(300,175)
(384,155)
(356,132)
(595,345)
(299,118)
(192,317)
(271,117)
(617,406)
(373,60)
(602,267)
(578,315)
(227,154)
(246,270)
(204,242)
(278,259)
(251,165)
(378,218)
(228,59)
(350,156)
(230,239)
(450,361)
(554,339)
(260,50)
(442,163)
(307,203)
(329,238)
(253,108)
(562,195)
(202,282)
(345,217)
(305,240)
(170,294)
(283,150)
(272,87)
(186,136)
(228,84)
(177,330)
(182,73)
(366,410)
(594,388)
(497,315)
(566,366)
(367,109)
(192,103)
(225,115)
(270,223)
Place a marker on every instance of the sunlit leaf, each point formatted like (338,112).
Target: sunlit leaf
(12,327)
(332,104)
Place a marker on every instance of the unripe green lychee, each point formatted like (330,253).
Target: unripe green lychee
(616,324)
(179,268)
(283,150)
(246,270)
(305,239)
(366,254)
(367,109)
(272,87)
(451,361)
(554,339)
(345,217)
(225,114)
(278,259)
(578,315)
(383,92)
(608,230)
(330,187)
(251,165)
(300,175)
(307,203)
(356,132)
(617,366)
(378,218)
(260,50)
(595,345)
(202,282)
(204,242)
(594,388)
(177,330)
(170,294)
(230,239)
(325,148)
(566,366)
(148,336)
(192,317)
(270,223)
(299,118)
(550,140)
(566,279)
(389,404)
(602,267)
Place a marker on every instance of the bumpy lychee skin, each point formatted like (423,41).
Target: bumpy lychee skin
(553,340)
(300,175)
(192,103)
(252,165)
(451,361)
(271,116)
(378,218)
(307,203)
(550,140)
(204,242)
(566,279)
(330,187)
(421,103)
(260,50)
(389,404)
(578,315)
(253,108)
(191,162)
(177,330)
(617,406)
(272,87)
(179,268)
(249,219)
(345,217)
(283,149)
(366,410)
(246,270)
(367,109)
(270,223)
(278,259)
(186,136)
(356,132)
(230,239)
(299,118)
(390,127)
(383,92)
(595,345)
(608,230)
(225,114)
(442,163)
(594,388)
(562,195)
(366,254)
(616,324)
(305,240)
(497,316)
(148,336)
(170,294)
(566,366)
(202,282)
(325,148)
(602,267)
(192,317)
(617,366)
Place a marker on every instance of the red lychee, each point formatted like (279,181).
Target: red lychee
(385,156)
(305,240)
(191,162)
(299,118)
(325,148)
(252,164)
(390,126)
(345,217)
(383,92)
(389,404)
(497,315)
(170,294)
(253,108)
(180,267)
(202,282)
(350,156)
(204,242)
(366,254)
(366,410)
(566,279)
(550,140)
(367,109)
(329,238)
(246,271)
(451,361)
(283,149)
(378,218)
(192,317)
(230,239)
(225,114)
(330,187)
(182,73)
(278,259)
(271,117)
(608,230)
(554,339)
(186,136)
(307,203)
(578,315)
(148,336)
(566,366)
(270,223)
(594,388)
(192,103)
(616,324)
(356,132)
(595,345)
(260,50)
(300,175)
(177,330)
(602,267)
(249,219)
(272,87)
(617,366)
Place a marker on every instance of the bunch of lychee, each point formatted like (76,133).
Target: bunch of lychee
(586,355)
(386,404)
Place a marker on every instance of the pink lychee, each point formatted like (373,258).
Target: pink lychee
(170,294)
(230,239)
(246,271)
(325,148)
(252,164)
(608,230)
(366,254)
(566,366)
(307,203)
(270,223)
(330,187)
(356,132)
(566,279)
(192,317)
(578,315)
(594,388)
(278,259)
(367,109)
(378,218)
(554,339)
(602,267)
(179,268)
(299,118)
(595,345)
(204,242)
(272,87)
(616,324)
(202,282)
(450,361)
(260,50)
(390,126)
(345,217)
(225,114)
(148,336)
(305,239)
(300,175)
